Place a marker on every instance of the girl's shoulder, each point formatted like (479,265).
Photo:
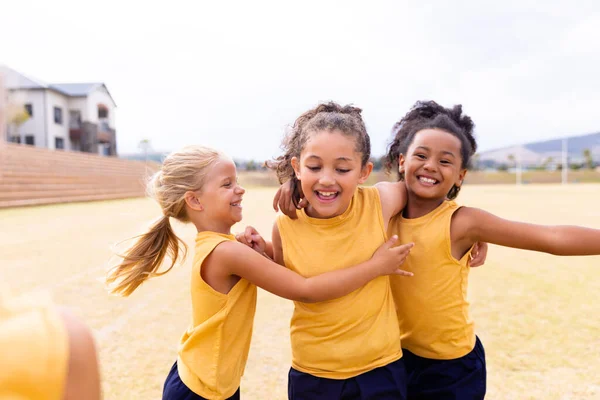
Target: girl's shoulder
(206,242)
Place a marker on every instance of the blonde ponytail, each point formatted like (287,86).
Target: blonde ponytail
(182,171)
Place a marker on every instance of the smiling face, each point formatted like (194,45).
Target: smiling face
(329,170)
(433,164)
(221,196)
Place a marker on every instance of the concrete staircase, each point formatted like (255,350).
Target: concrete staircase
(31,175)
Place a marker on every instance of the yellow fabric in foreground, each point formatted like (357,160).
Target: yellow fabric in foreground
(34,349)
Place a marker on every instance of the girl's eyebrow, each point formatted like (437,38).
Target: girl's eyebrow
(443,152)
(337,159)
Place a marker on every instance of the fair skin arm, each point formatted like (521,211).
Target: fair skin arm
(470,225)
(230,260)
(83,379)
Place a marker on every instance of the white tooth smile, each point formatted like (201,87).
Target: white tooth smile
(327,194)
(427,180)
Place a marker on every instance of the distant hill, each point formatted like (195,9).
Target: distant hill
(545,152)
(154,156)
(160,156)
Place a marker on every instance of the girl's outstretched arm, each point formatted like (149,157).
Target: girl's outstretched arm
(236,259)
(470,225)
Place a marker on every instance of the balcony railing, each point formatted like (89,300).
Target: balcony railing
(103,126)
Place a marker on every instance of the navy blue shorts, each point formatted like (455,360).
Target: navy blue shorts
(174,389)
(383,383)
(459,379)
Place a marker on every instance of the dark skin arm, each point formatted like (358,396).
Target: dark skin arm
(470,225)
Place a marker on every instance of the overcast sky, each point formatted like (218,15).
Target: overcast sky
(233,75)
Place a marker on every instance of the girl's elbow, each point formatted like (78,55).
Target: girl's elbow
(307,296)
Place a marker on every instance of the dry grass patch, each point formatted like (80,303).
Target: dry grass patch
(537,315)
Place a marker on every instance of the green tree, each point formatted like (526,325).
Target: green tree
(547,162)
(512,160)
(474,166)
(589,161)
(377,163)
(251,166)
(17,115)
(145,146)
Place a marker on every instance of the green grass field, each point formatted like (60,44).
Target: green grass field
(537,315)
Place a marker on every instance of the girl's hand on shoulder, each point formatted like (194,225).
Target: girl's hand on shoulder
(388,258)
(478,254)
(251,238)
(283,200)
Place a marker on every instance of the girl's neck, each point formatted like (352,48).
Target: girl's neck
(213,226)
(417,206)
(311,213)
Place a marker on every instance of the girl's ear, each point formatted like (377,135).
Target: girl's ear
(192,201)
(401,164)
(461,177)
(365,172)
(296,166)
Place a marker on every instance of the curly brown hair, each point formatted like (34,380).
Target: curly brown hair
(324,117)
(431,115)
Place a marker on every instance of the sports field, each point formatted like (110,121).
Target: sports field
(537,315)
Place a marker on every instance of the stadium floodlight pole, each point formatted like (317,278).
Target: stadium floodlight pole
(565,162)
(519,180)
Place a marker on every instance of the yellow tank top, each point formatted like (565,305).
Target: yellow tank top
(432,306)
(214,349)
(345,337)
(34,348)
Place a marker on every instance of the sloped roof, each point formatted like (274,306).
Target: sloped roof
(76,89)
(16,80)
(80,89)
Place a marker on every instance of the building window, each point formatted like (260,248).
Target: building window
(102,111)
(59,143)
(29,109)
(74,119)
(15,139)
(30,140)
(58,118)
